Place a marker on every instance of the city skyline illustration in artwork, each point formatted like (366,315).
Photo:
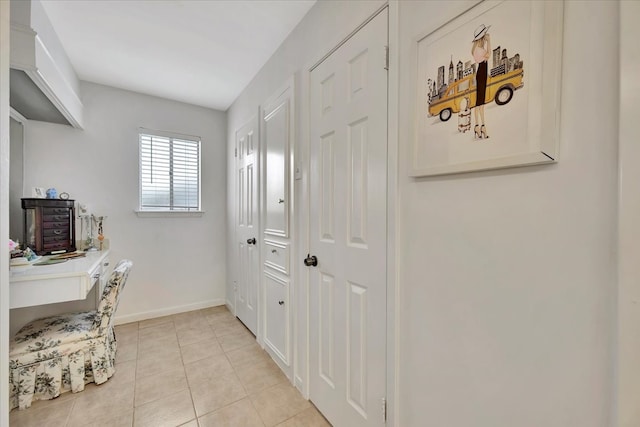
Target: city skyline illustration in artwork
(457,93)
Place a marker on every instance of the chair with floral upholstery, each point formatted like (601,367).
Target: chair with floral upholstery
(62,353)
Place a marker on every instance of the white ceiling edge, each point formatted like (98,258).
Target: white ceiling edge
(199,52)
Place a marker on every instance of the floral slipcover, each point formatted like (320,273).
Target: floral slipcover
(56,354)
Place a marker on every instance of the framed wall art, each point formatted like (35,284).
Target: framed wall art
(487,86)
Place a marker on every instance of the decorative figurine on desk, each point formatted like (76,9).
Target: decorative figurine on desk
(99,220)
(14,249)
(87,232)
(29,254)
(52,193)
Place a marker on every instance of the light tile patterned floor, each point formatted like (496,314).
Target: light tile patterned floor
(201,368)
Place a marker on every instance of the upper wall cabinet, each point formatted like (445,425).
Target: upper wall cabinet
(44,85)
(277,150)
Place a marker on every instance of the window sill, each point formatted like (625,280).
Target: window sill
(169,214)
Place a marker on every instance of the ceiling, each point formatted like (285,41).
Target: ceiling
(201,52)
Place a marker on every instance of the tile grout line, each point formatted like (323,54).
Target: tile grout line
(245,389)
(184,369)
(266,388)
(189,385)
(135,372)
(186,377)
(235,373)
(66,423)
(210,326)
(256,409)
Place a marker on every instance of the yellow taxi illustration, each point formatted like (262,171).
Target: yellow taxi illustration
(499,88)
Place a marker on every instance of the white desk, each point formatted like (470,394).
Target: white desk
(68,281)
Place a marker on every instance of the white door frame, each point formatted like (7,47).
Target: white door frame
(302,188)
(393,228)
(4,212)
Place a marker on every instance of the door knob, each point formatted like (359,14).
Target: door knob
(251,241)
(281,302)
(311,260)
(280,200)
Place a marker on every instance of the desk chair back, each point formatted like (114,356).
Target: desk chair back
(111,296)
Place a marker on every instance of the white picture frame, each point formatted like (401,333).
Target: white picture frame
(38,192)
(522,131)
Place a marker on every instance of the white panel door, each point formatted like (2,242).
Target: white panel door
(348,228)
(247,225)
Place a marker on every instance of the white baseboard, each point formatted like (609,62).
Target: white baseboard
(297,382)
(230,306)
(136,317)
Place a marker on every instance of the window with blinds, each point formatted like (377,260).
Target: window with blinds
(169,173)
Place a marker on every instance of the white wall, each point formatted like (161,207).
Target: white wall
(179,263)
(507,278)
(16,227)
(628,375)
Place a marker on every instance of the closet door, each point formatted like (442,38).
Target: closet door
(247,225)
(347,227)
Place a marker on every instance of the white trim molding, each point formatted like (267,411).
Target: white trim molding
(4,210)
(136,317)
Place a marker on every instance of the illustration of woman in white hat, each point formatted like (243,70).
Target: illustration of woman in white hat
(481,50)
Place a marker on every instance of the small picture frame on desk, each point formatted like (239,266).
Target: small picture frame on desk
(39,192)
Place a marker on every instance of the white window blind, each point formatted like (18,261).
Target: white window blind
(169,173)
